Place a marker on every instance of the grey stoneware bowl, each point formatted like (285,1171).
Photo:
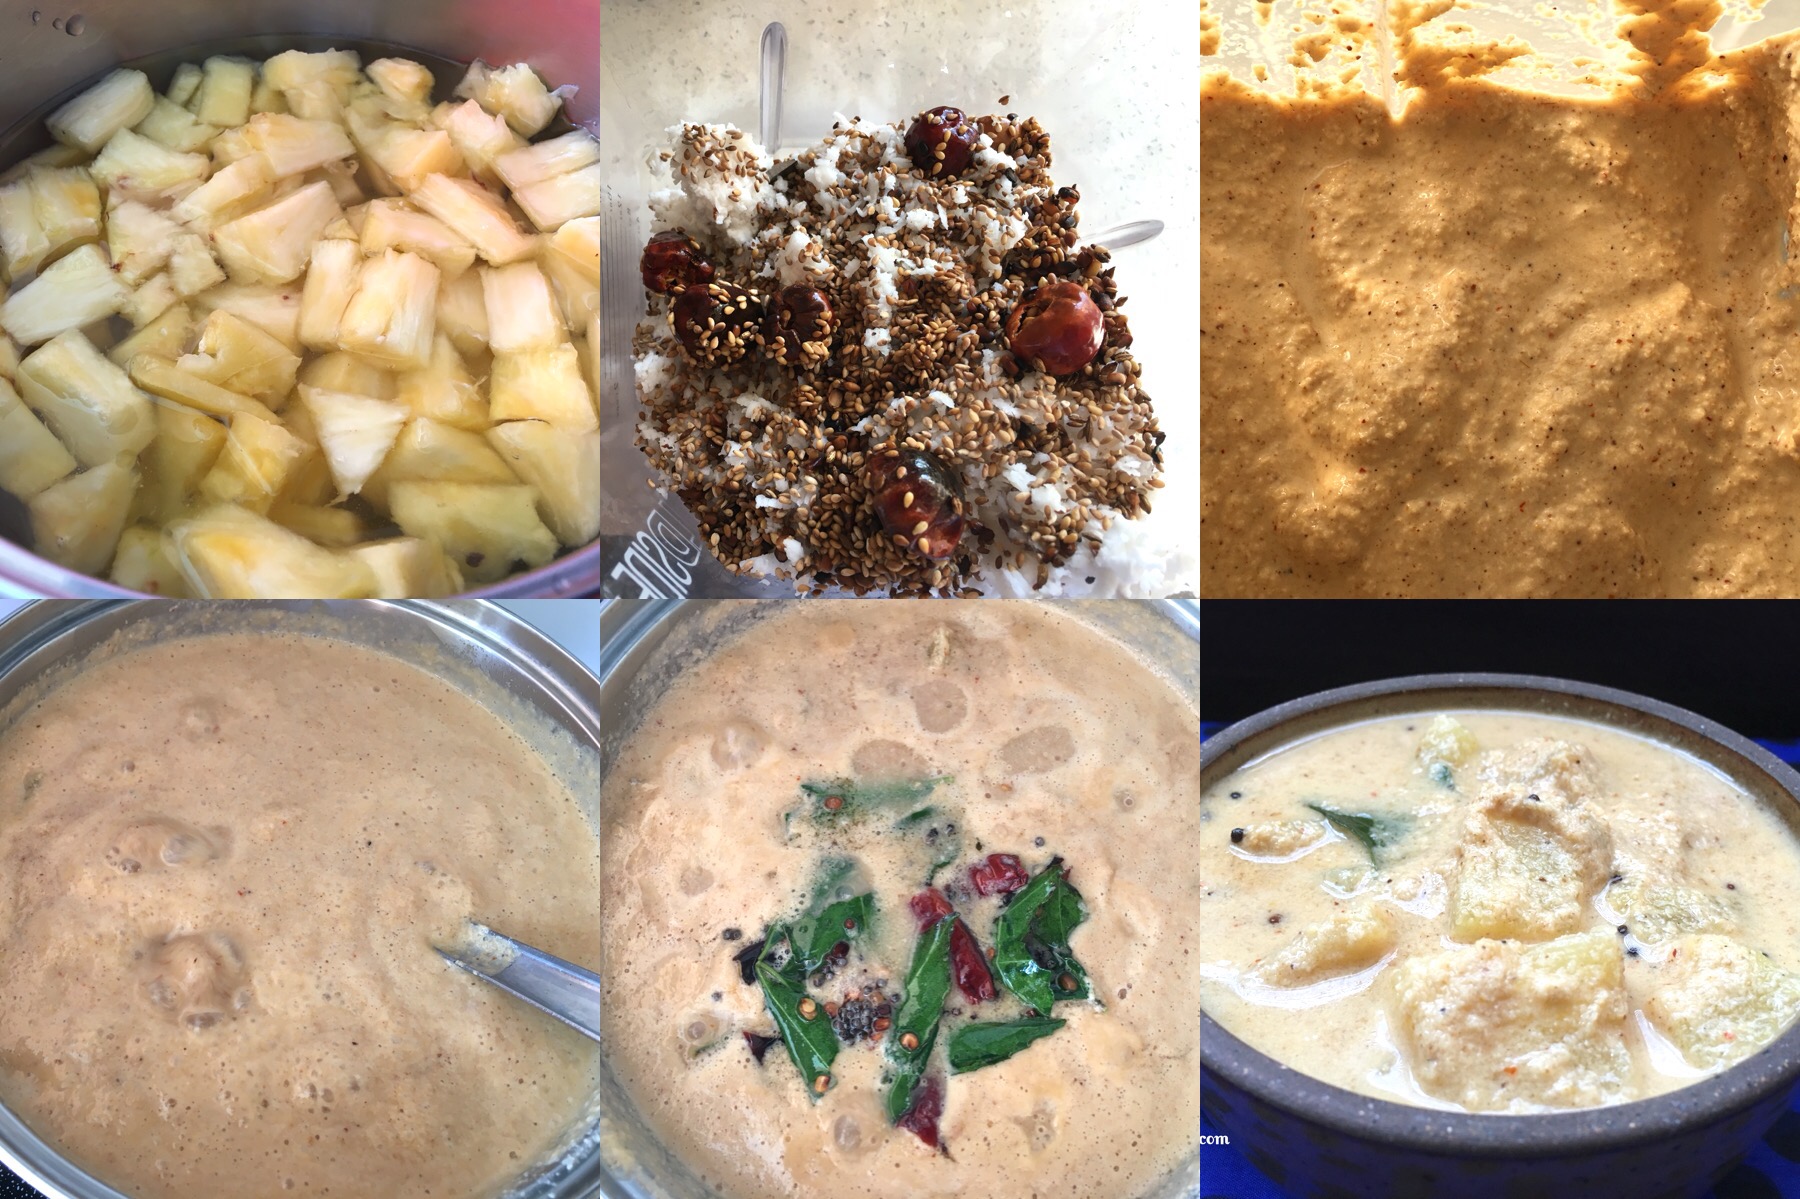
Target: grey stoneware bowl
(480,648)
(1319,1141)
(51,51)
(645,645)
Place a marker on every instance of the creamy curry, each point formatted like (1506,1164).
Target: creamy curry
(902,760)
(1496,912)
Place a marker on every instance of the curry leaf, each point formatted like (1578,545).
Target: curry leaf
(810,1041)
(1031,941)
(976,1045)
(816,934)
(1373,833)
(927,986)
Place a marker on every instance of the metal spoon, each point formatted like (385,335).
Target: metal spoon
(547,983)
(1130,234)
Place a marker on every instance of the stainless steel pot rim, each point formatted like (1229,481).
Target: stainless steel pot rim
(1775,1069)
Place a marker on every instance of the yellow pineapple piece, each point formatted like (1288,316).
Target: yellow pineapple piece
(184,83)
(330,284)
(323,525)
(410,567)
(192,268)
(514,92)
(138,240)
(543,161)
(462,313)
(76,522)
(144,563)
(258,456)
(169,124)
(444,390)
(276,309)
(402,79)
(490,529)
(542,385)
(226,85)
(75,290)
(67,204)
(563,467)
(342,177)
(187,446)
(397,225)
(293,146)
(356,433)
(273,244)
(267,99)
(9,357)
(555,202)
(572,261)
(89,121)
(477,214)
(343,372)
(431,451)
(21,237)
(87,400)
(155,297)
(228,553)
(317,85)
(479,137)
(132,166)
(241,357)
(31,458)
(235,191)
(392,318)
(400,152)
(522,314)
(166,337)
(160,377)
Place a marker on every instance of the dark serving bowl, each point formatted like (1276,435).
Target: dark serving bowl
(1319,1141)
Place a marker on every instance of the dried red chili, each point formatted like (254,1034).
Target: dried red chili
(1001,874)
(928,907)
(968,965)
(921,1119)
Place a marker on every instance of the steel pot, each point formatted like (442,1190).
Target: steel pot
(481,648)
(49,53)
(1320,1141)
(644,646)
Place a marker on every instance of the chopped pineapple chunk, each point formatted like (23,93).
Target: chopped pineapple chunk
(67,204)
(226,85)
(133,166)
(166,337)
(402,79)
(31,458)
(356,433)
(192,268)
(392,318)
(522,315)
(150,301)
(119,101)
(228,553)
(397,225)
(563,467)
(491,529)
(402,152)
(429,450)
(258,456)
(555,202)
(514,92)
(329,286)
(310,76)
(144,563)
(292,146)
(267,99)
(545,160)
(171,125)
(160,377)
(410,566)
(338,528)
(348,373)
(542,385)
(276,309)
(481,138)
(444,390)
(240,357)
(138,238)
(572,261)
(462,313)
(75,290)
(21,237)
(233,192)
(477,214)
(274,244)
(87,400)
(187,446)
(76,523)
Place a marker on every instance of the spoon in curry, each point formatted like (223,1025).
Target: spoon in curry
(547,983)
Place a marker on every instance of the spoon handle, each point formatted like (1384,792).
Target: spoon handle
(774,75)
(547,983)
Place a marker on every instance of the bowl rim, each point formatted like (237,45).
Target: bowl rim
(1434,1132)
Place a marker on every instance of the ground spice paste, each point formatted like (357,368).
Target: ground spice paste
(224,862)
(1496,912)
(1049,741)
(1486,341)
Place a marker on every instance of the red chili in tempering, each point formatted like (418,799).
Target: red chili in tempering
(969,965)
(1001,874)
(921,1119)
(928,907)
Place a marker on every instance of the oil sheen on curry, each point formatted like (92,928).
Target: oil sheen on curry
(224,862)
(1463,335)
(1496,912)
(901,900)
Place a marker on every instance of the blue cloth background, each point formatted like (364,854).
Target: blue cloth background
(1771,1171)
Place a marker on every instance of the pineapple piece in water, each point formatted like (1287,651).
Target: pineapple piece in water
(74,291)
(477,214)
(546,160)
(171,125)
(144,563)
(480,137)
(228,553)
(258,457)
(514,92)
(240,357)
(187,446)
(21,237)
(192,268)
(572,260)
(31,458)
(522,314)
(67,204)
(184,83)
(396,152)
(76,523)
(150,301)
(491,529)
(348,373)
(135,167)
(86,400)
(462,313)
(563,466)
(392,318)
(119,101)
(397,225)
(292,146)
(234,191)
(316,86)
(226,85)
(330,283)
(431,451)
(444,390)
(356,433)
(337,528)
(139,239)
(160,377)
(402,79)
(273,244)
(410,566)
(554,202)
(164,337)
(542,385)
(276,309)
